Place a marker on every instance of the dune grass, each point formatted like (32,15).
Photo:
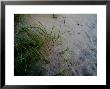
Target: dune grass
(32,43)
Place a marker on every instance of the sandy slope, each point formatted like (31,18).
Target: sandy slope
(79,37)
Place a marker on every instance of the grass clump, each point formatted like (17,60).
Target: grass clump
(32,43)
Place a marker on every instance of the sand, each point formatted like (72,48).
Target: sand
(79,39)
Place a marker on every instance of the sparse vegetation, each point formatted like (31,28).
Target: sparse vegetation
(55,45)
(32,43)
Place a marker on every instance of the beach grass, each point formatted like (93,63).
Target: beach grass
(32,43)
